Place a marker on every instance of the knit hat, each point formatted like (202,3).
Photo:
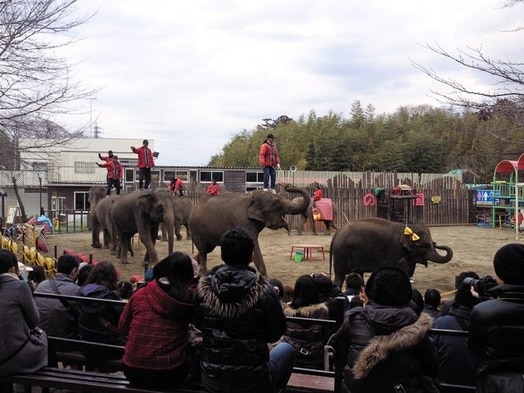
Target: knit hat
(509,263)
(389,286)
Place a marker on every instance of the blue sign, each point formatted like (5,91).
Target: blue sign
(484,197)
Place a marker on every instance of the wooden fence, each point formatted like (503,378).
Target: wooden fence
(446,200)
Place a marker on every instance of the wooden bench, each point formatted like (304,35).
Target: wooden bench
(308,250)
(82,381)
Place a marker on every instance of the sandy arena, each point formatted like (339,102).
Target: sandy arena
(473,249)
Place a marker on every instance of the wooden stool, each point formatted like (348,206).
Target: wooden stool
(308,250)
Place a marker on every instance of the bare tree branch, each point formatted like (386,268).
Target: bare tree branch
(36,83)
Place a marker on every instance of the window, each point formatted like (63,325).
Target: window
(169,175)
(39,166)
(130,176)
(82,200)
(254,177)
(57,203)
(84,167)
(207,176)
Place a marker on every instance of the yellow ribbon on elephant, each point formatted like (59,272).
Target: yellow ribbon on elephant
(409,232)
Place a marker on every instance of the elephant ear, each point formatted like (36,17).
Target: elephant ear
(144,202)
(405,240)
(261,203)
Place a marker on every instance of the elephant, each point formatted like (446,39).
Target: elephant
(101,218)
(308,215)
(183,207)
(365,245)
(142,211)
(212,217)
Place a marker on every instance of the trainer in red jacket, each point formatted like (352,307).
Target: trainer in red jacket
(145,163)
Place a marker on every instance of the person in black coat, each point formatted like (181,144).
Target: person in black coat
(457,363)
(387,343)
(497,326)
(239,314)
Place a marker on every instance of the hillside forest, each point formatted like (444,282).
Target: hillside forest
(420,139)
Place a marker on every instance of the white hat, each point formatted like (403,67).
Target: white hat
(24,268)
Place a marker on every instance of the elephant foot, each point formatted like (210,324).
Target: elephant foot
(179,238)
(124,262)
(96,245)
(299,233)
(327,234)
(314,234)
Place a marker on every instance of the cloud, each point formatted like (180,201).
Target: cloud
(190,74)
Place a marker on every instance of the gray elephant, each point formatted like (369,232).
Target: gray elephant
(183,207)
(254,212)
(101,218)
(367,244)
(142,211)
(308,216)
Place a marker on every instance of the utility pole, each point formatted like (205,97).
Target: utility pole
(91,115)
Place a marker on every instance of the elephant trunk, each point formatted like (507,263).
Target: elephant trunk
(299,205)
(438,258)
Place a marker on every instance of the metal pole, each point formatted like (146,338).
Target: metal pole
(41,207)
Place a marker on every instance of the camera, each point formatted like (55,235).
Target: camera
(481,285)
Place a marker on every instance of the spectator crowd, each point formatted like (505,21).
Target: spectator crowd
(232,329)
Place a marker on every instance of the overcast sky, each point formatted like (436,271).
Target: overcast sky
(191,74)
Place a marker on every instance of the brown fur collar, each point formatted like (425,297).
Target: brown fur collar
(306,312)
(379,347)
(233,309)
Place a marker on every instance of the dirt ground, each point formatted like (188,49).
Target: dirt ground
(473,249)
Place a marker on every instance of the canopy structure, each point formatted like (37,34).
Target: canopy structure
(512,172)
(507,170)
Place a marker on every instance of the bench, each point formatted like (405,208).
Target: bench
(82,381)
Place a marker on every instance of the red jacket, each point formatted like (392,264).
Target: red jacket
(114,171)
(318,195)
(212,189)
(156,326)
(268,155)
(175,185)
(145,157)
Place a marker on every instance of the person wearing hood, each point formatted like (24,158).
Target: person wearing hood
(387,344)
(496,331)
(23,346)
(457,364)
(156,321)
(307,339)
(98,322)
(239,314)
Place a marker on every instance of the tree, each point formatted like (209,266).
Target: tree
(506,78)
(35,83)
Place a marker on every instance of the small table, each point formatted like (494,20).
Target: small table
(308,250)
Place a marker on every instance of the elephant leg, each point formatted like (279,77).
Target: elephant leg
(201,258)
(149,239)
(106,238)
(258,259)
(124,245)
(95,234)
(188,232)
(177,233)
(301,222)
(328,228)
